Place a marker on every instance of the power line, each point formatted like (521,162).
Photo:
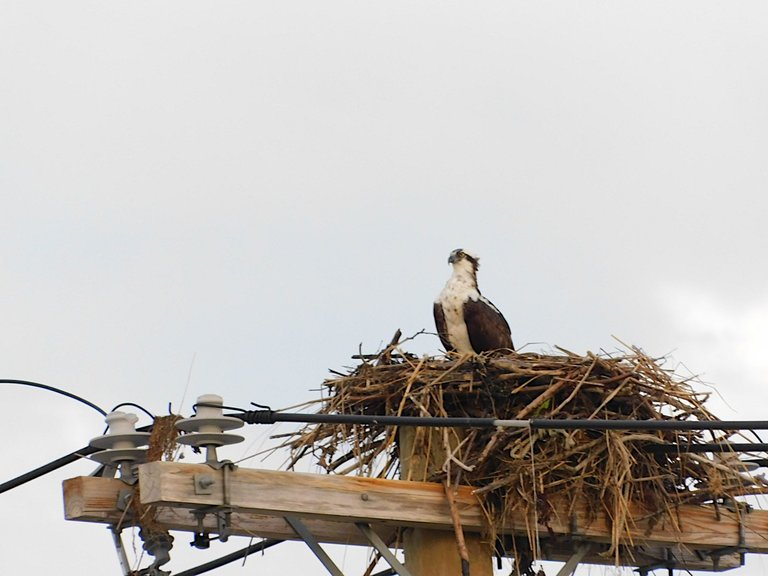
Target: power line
(72,456)
(56,390)
(232,557)
(698,448)
(272,417)
(46,468)
(134,405)
(55,465)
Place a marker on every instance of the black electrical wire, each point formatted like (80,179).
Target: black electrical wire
(233,557)
(55,465)
(134,405)
(649,424)
(59,462)
(272,417)
(698,448)
(268,416)
(46,468)
(147,412)
(72,456)
(54,389)
(221,406)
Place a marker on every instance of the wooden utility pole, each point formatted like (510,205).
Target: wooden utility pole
(438,552)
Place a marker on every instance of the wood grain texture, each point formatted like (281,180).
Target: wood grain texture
(435,552)
(329,505)
(310,495)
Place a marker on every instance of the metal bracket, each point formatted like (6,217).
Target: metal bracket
(223,523)
(740,509)
(153,571)
(124,498)
(382,548)
(223,515)
(301,530)
(222,464)
(122,558)
(669,563)
(570,566)
(204,485)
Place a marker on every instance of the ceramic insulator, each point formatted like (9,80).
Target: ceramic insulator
(212,412)
(122,424)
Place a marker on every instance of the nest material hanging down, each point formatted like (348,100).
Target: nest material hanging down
(519,471)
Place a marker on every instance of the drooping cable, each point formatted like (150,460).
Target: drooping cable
(54,389)
(72,456)
(46,468)
(59,462)
(134,405)
(55,465)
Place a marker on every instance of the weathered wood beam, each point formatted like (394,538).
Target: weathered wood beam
(275,493)
(89,499)
(422,504)
(330,505)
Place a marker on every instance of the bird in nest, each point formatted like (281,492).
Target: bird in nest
(467,322)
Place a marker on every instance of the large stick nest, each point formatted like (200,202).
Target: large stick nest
(520,471)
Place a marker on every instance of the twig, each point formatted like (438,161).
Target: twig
(461,543)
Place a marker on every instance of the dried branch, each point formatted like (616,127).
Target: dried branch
(610,470)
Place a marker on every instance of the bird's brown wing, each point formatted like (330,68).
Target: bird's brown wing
(487,327)
(442,327)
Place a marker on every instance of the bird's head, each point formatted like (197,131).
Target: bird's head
(462,258)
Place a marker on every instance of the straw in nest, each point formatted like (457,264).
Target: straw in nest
(522,472)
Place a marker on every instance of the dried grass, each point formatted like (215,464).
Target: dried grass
(521,472)
(162,443)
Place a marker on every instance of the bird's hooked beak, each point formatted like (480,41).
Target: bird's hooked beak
(454,257)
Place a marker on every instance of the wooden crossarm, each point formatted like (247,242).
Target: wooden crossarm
(330,505)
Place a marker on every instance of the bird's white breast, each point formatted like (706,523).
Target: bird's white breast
(457,291)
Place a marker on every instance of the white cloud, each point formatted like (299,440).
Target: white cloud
(725,338)
(264,186)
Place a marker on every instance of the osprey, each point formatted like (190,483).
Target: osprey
(467,322)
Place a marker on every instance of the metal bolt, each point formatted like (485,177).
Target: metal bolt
(203,483)
(364,497)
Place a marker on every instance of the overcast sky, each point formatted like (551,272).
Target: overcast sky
(232,197)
